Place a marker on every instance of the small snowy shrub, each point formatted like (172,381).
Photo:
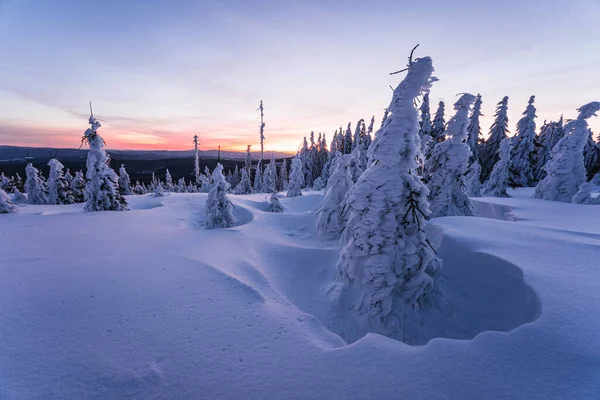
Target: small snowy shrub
(218,207)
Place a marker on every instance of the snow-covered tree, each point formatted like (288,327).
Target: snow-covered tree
(196,162)
(474,130)
(439,123)
(369,135)
(591,155)
(347,149)
(258,179)
(4,182)
(296,178)
(101,193)
(124,181)
(36,190)
(68,177)
(7,206)
(19,197)
(19,182)
(318,184)
(490,150)
(283,175)
(270,177)
(542,150)
(169,182)
(248,166)
(78,187)
(448,165)
(331,158)
(584,195)
(138,189)
(522,157)
(497,184)
(236,177)
(307,161)
(59,191)
(274,204)
(472,182)
(566,168)
(387,269)
(357,139)
(425,127)
(219,212)
(330,218)
(181,186)
(244,187)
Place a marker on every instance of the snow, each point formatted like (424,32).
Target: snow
(174,311)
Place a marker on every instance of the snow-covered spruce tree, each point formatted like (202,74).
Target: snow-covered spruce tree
(283,175)
(566,168)
(544,141)
(357,133)
(101,193)
(19,184)
(181,186)
(369,134)
(490,150)
(169,182)
(59,191)
(138,189)
(296,178)
(68,177)
(218,207)
(591,155)
(347,149)
(236,177)
(330,218)
(307,160)
(204,184)
(270,178)
(474,130)
(558,132)
(584,194)
(196,162)
(318,184)
(425,127)
(449,163)
(36,190)
(497,184)
(124,181)
(472,182)
(248,166)
(78,187)
(329,164)
(7,206)
(439,123)
(274,204)
(522,157)
(258,180)
(387,270)
(244,187)
(4,182)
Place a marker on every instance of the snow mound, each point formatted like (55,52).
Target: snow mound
(485,209)
(148,202)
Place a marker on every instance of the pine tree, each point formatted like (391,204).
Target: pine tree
(387,270)
(158,189)
(425,127)
(449,163)
(244,187)
(270,178)
(248,165)
(386,113)
(591,156)
(6,205)
(169,181)
(543,140)
(474,130)
(566,168)
(439,124)
(369,135)
(490,150)
(101,193)
(348,140)
(138,189)
(274,204)
(258,180)
(331,158)
(296,178)
(522,155)
(357,134)
(78,187)
(181,186)
(235,178)
(19,184)
(124,181)
(330,218)
(196,162)
(219,212)
(36,191)
(4,182)
(19,197)
(472,182)
(497,184)
(283,175)
(59,191)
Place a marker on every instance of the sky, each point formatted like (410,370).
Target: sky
(160,71)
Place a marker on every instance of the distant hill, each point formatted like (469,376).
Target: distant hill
(19,154)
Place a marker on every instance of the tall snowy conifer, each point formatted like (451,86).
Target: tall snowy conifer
(348,140)
(296,178)
(566,168)
(219,210)
(591,155)
(330,221)
(169,181)
(283,175)
(490,150)
(522,157)
(101,193)
(386,269)
(270,178)
(474,130)
(59,191)
(425,127)
(36,189)
(472,182)
(497,184)
(78,187)
(244,187)
(439,123)
(258,180)
(124,181)
(449,163)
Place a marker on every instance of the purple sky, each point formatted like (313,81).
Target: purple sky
(160,71)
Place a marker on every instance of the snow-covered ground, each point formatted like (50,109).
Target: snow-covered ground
(147,304)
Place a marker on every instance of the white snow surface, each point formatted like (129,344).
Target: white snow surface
(147,304)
